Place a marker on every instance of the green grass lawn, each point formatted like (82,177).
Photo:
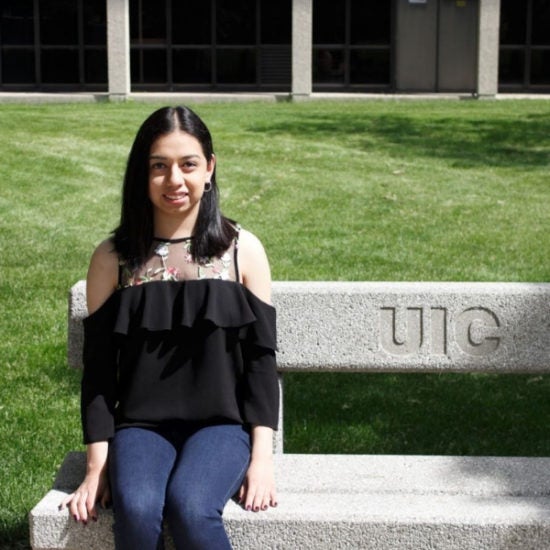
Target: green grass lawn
(380,190)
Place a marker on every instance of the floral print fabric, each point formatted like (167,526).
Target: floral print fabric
(173,261)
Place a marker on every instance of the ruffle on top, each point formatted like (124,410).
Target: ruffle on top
(141,364)
(158,306)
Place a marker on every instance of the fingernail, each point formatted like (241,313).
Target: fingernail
(75,517)
(256,508)
(248,508)
(264,507)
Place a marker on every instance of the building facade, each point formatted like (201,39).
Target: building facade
(286,46)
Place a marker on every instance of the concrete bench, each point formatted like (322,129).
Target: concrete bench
(375,501)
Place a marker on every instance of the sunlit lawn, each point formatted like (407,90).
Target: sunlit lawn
(378,190)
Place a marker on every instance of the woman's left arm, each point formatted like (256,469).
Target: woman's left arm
(258,489)
(254,266)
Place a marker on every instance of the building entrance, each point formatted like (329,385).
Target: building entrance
(437,46)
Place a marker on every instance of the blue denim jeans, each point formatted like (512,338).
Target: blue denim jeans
(183,474)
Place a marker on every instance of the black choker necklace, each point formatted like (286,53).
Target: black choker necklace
(180,240)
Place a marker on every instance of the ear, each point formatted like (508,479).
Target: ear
(211,165)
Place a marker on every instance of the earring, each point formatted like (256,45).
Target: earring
(207,187)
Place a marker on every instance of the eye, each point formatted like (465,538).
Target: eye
(188,165)
(156,166)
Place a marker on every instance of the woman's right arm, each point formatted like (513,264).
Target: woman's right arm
(94,488)
(102,278)
(101,282)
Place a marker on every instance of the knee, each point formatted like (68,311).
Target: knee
(195,516)
(193,512)
(140,509)
(195,520)
(137,523)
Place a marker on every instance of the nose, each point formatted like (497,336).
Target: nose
(176,175)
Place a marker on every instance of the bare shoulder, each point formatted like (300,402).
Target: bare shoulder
(254,265)
(102,278)
(249,243)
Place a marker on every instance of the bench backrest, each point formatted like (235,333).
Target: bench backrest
(397,327)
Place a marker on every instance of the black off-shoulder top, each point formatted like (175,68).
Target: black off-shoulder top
(197,350)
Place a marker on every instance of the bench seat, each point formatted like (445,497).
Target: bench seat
(373,501)
(359,501)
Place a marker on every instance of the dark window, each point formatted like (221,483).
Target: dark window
(511,66)
(191,22)
(95,23)
(540,67)
(153,21)
(236,22)
(234,44)
(53,44)
(148,21)
(16,22)
(275,65)
(329,22)
(192,66)
(370,22)
(351,44)
(541,23)
(59,66)
(18,67)
(95,64)
(154,66)
(513,22)
(276,24)
(236,66)
(58,22)
(524,57)
(329,66)
(370,66)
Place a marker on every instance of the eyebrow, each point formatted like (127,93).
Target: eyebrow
(185,157)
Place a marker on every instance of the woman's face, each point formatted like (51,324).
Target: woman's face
(178,171)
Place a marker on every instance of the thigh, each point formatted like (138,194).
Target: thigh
(140,463)
(210,467)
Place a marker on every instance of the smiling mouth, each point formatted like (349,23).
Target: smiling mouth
(176,197)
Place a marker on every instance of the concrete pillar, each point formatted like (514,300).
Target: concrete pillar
(488,46)
(118,48)
(302,36)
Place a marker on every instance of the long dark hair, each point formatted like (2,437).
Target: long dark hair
(134,236)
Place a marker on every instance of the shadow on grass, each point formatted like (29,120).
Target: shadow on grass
(466,140)
(16,537)
(446,414)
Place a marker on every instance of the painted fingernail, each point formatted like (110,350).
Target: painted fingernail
(264,507)
(256,508)
(248,508)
